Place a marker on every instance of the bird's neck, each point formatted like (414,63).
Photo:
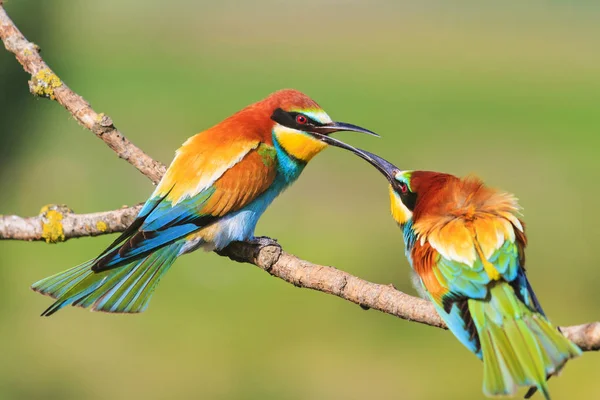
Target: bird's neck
(288,166)
(410,239)
(403,217)
(297,144)
(410,236)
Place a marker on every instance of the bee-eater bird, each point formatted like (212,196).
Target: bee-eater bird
(213,193)
(466,243)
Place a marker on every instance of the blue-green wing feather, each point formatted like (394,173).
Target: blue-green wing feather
(502,322)
(184,212)
(142,244)
(163,224)
(464,282)
(122,290)
(472,281)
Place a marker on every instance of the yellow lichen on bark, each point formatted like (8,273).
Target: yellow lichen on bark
(101,226)
(52,228)
(43,83)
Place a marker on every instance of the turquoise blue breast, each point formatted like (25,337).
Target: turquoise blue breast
(288,167)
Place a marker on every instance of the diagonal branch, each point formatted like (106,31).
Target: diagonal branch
(59,223)
(45,83)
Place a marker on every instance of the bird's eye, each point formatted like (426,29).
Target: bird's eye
(301,119)
(403,188)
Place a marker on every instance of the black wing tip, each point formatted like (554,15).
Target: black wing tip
(57,305)
(530,392)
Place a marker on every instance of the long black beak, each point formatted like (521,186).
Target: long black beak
(322,133)
(388,169)
(340,126)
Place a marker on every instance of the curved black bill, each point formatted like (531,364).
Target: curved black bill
(340,126)
(388,169)
(385,167)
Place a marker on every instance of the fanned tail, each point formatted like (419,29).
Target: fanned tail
(519,346)
(126,289)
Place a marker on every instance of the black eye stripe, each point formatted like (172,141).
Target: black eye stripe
(289,119)
(400,185)
(409,199)
(309,120)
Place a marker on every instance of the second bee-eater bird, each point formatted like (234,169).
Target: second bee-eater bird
(466,244)
(213,193)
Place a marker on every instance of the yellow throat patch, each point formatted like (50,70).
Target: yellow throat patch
(400,213)
(297,144)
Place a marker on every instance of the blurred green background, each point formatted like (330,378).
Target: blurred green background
(509,92)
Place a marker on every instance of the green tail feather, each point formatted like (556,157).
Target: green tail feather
(126,289)
(519,346)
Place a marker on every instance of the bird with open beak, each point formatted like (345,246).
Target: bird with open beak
(218,185)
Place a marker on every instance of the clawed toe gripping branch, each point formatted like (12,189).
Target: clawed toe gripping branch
(59,223)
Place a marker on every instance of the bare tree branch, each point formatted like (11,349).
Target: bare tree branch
(45,83)
(58,223)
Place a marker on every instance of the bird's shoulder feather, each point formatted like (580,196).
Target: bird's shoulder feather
(243,182)
(466,217)
(470,237)
(199,162)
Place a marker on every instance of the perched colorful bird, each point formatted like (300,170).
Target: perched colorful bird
(466,243)
(215,190)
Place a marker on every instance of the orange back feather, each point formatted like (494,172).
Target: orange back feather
(462,219)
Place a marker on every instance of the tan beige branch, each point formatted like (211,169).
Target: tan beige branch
(269,257)
(59,223)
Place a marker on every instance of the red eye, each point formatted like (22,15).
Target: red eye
(301,119)
(403,188)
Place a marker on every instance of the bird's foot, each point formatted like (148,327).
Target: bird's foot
(263,241)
